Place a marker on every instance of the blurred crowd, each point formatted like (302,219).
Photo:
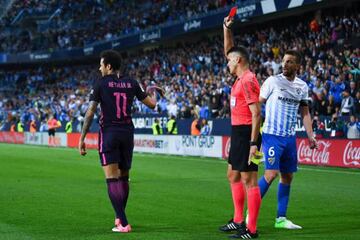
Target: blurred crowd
(70,23)
(194,75)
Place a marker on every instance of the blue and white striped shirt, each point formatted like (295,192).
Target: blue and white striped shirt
(283,99)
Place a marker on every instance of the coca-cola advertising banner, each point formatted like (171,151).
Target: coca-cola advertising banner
(12,137)
(91,140)
(331,152)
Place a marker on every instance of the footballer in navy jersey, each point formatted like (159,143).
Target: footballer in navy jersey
(115,94)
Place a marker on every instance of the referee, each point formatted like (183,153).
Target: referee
(245,126)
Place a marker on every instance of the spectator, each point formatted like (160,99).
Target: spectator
(204,110)
(172,126)
(32,126)
(43,126)
(357,103)
(318,88)
(337,90)
(157,130)
(353,128)
(225,110)
(71,22)
(195,127)
(353,89)
(20,126)
(336,126)
(185,111)
(214,107)
(331,109)
(205,129)
(69,126)
(319,104)
(13,127)
(172,108)
(347,104)
(318,127)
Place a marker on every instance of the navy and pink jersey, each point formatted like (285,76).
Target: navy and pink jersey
(116,95)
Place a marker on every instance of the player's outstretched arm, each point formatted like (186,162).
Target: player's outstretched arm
(305,115)
(89,116)
(228,36)
(150,100)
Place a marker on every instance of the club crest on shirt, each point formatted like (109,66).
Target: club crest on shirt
(298,91)
(271,160)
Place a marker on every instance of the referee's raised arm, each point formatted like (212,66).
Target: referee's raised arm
(228,36)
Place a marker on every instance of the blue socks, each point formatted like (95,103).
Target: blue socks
(263,185)
(283,199)
(283,195)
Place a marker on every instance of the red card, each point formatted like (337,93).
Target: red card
(233,12)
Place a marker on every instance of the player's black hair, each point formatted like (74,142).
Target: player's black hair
(241,50)
(113,58)
(296,54)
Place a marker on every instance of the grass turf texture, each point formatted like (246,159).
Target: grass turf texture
(53,193)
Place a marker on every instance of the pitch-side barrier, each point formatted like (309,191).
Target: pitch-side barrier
(331,152)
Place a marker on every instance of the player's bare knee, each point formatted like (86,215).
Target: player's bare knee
(124,173)
(249,183)
(249,179)
(286,178)
(271,176)
(233,176)
(111,171)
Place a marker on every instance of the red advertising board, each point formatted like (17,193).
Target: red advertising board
(12,137)
(91,140)
(331,152)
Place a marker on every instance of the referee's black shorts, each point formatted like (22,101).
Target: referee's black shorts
(240,149)
(51,132)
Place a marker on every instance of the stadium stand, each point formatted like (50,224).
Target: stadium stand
(192,72)
(68,24)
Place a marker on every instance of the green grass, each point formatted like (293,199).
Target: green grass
(53,193)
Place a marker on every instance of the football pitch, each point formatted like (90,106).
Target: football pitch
(54,193)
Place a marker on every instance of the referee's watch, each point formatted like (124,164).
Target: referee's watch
(253,143)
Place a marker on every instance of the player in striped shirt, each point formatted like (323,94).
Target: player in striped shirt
(284,95)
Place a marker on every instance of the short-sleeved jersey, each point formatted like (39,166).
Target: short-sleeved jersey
(52,123)
(283,98)
(244,92)
(116,96)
